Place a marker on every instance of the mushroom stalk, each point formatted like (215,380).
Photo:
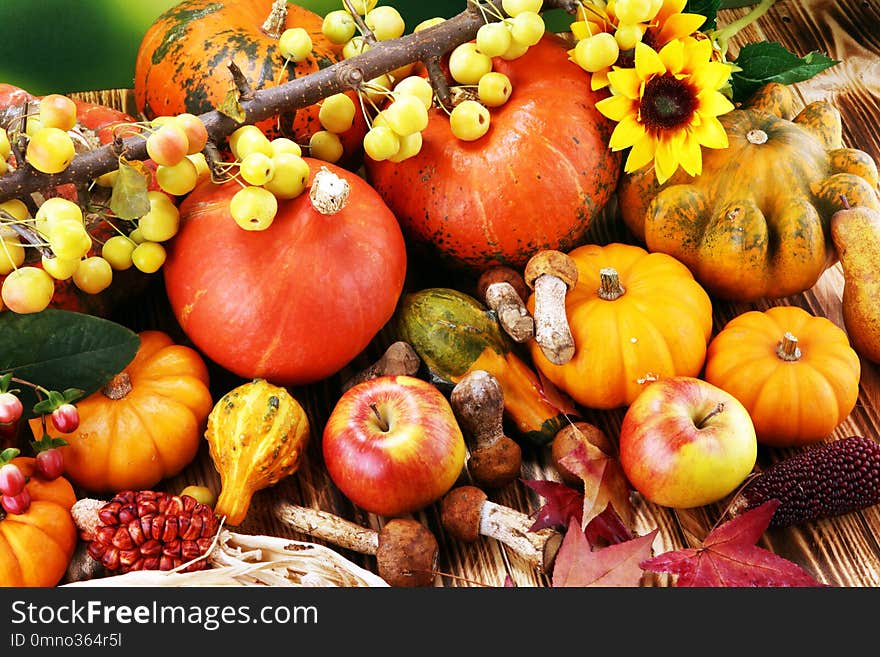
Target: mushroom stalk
(478,403)
(551,274)
(406,551)
(467,514)
(504,291)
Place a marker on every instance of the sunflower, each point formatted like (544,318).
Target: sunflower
(666,106)
(668,24)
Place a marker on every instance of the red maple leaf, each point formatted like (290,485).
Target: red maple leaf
(564,504)
(618,565)
(729,557)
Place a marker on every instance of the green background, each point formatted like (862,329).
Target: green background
(62,46)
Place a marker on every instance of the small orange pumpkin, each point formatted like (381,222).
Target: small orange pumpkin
(145,425)
(37,545)
(794,372)
(635,317)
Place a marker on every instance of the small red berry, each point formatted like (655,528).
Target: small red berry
(50,463)
(65,418)
(16,504)
(10,408)
(12,479)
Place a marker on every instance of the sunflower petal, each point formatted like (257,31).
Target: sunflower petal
(666,159)
(670,8)
(641,154)
(617,108)
(626,133)
(626,82)
(698,52)
(713,103)
(648,62)
(710,133)
(580,30)
(672,56)
(690,156)
(678,26)
(599,79)
(711,75)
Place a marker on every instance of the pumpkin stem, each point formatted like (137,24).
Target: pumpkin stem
(117,387)
(788,348)
(610,287)
(715,411)
(756,137)
(276,20)
(329,192)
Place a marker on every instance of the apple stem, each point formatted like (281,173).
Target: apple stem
(382,423)
(715,411)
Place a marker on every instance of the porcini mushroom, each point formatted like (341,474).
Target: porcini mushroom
(406,551)
(551,274)
(466,514)
(399,359)
(504,290)
(478,403)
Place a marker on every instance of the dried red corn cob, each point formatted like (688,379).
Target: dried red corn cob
(822,481)
(149,530)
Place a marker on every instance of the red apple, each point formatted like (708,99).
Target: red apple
(685,442)
(392,445)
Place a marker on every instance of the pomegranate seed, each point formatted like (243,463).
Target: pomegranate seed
(16,504)
(12,480)
(50,463)
(65,418)
(10,408)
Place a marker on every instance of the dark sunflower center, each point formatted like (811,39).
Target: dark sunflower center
(667,103)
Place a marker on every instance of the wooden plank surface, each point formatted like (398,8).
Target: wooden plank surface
(840,552)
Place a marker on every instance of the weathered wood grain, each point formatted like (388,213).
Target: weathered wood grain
(843,551)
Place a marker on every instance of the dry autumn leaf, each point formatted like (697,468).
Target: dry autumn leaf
(729,557)
(578,564)
(604,482)
(564,504)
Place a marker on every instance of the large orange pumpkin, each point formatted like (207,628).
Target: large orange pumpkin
(536,180)
(293,303)
(182,61)
(145,425)
(37,545)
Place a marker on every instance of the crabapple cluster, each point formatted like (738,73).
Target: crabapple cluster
(627,21)
(58,230)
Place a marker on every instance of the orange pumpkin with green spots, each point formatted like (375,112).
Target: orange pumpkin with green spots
(536,180)
(182,63)
(755,223)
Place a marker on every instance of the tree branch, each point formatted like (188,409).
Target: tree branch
(422,46)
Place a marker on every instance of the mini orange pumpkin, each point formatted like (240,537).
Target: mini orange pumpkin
(635,316)
(145,425)
(37,545)
(794,372)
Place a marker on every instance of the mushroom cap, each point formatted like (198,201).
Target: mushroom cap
(502,274)
(555,263)
(460,512)
(407,553)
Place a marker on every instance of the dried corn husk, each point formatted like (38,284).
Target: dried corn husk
(246,560)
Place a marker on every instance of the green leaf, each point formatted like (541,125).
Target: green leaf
(707,8)
(8,454)
(770,61)
(736,4)
(129,199)
(61,349)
